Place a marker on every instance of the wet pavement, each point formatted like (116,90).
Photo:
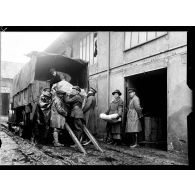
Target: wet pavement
(17,151)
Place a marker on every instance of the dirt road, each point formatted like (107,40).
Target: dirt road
(17,151)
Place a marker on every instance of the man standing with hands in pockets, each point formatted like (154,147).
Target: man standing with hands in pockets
(133,124)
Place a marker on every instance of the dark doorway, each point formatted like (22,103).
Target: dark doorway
(152,90)
(5,104)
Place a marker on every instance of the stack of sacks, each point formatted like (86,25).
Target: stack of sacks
(63,86)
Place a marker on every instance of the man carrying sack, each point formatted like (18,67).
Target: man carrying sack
(113,117)
(58,115)
(74,100)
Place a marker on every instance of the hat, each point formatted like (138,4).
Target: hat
(46,92)
(116,91)
(77,88)
(131,89)
(92,90)
(52,69)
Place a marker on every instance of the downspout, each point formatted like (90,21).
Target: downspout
(108,72)
(0,75)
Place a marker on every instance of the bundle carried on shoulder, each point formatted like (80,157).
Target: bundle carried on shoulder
(63,86)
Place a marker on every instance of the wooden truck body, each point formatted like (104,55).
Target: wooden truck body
(33,78)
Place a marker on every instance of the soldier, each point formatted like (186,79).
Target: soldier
(58,76)
(41,117)
(133,124)
(76,116)
(45,102)
(114,126)
(88,111)
(58,114)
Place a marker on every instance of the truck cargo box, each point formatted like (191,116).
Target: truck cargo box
(34,76)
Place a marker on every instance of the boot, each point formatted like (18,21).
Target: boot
(135,142)
(55,137)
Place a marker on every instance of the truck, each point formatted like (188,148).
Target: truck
(33,78)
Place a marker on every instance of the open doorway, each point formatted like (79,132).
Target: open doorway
(5,97)
(151,88)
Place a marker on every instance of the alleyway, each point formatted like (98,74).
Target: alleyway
(17,151)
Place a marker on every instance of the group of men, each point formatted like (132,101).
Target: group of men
(59,107)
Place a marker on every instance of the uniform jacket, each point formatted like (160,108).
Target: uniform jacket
(134,113)
(116,106)
(75,104)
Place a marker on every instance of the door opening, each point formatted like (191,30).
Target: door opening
(4,104)
(151,88)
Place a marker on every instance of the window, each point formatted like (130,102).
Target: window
(133,39)
(88,48)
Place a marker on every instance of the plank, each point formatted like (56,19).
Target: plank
(90,136)
(76,141)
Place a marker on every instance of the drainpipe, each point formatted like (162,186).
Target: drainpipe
(0,74)
(108,71)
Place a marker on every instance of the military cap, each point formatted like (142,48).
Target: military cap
(77,88)
(131,90)
(92,90)
(46,92)
(52,69)
(117,91)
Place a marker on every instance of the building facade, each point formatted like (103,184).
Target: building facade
(155,63)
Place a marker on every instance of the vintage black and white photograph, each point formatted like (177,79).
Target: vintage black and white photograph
(104,98)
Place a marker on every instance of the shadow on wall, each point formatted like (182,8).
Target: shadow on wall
(177,130)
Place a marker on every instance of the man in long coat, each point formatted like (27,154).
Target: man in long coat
(114,127)
(76,116)
(41,117)
(58,115)
(89,114)
(88,110)
(45,102)
(133,124)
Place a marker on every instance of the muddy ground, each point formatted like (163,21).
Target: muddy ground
(17,151)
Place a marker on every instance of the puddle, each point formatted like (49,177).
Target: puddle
(53,155)
(108,159)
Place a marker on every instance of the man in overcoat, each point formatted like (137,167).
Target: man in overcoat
(41,117)
(45,102)
(58,115)
(88,111)
(134,114)
(113,127)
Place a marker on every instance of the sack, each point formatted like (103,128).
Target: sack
(63,86)
(108,117)
(83,93)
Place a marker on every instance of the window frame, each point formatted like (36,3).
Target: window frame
(90,61)
(140,44)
